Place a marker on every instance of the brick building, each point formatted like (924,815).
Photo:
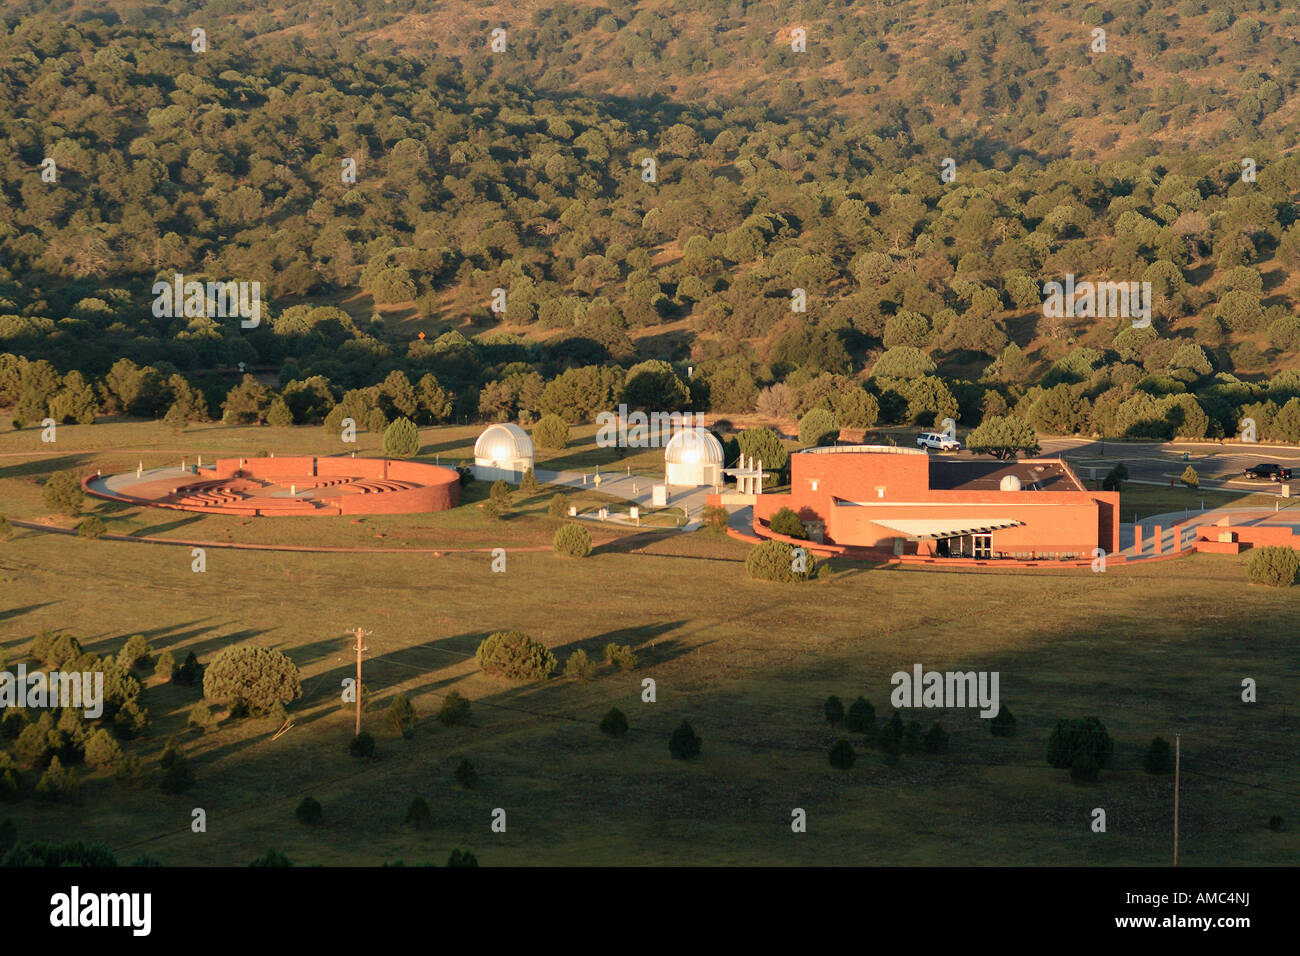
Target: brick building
(904,501)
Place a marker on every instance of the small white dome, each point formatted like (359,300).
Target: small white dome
(693,446)
(503,443)
(1010,483)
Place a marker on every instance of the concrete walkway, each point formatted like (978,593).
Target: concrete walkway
(634,489)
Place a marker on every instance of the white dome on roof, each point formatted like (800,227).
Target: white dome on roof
(1009,483)
(693,446)
(503,443)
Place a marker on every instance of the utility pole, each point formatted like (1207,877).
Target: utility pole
(1178,750)
(360,634)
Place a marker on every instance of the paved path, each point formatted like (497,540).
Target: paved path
(635,489)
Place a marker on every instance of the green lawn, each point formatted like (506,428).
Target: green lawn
(1151,650)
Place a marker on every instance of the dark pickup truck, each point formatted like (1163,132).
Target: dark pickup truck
(1273,472)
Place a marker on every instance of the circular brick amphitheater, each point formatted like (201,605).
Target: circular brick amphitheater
(288,486)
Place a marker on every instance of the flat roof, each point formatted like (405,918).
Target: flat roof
(972,474)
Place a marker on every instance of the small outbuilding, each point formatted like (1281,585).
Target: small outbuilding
(693,457)
(503,451)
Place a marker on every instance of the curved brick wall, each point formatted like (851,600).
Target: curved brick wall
(343,486)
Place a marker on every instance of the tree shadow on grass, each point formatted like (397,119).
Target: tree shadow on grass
(43,466)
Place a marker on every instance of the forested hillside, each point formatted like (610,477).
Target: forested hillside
(773,171)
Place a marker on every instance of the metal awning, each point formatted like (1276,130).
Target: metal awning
(922,528)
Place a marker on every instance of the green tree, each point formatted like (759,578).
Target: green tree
(614,723)
(62,493)
(834,709)
(572,540)
(1003,437)
(1190,478)
(861,717)
(818,427)
(551,432)
(780,561)
(455,709)
(684,743)
(762,445)
(309,811)
(401,439)
(558,506)
(1158,758)
(1274,566)
(362,745)
(514,655)
(401,714)
(1003,723)
(529,486)
(278,414)
(786,522)
(251,679)
(579,666)
(418,814)
(91,526)
(465,773)
(1074,737)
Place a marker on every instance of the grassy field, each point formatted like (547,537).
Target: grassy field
(1153,650)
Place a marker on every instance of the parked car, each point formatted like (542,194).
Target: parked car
(1270,470)
(938,440)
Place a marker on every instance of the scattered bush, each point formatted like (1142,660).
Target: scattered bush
(1003,724)
(102,751)
(1115,478)
(861,717)
(515,655)
(6,529)
(786,522)
(177,776)
(491,510)
(1276,824)
(891,735)
(579,666)
(401,439)
(935,740)
(778,561)
(1159,758)
(62,493)
(135,653)
(92,527)
(455,709)
(465,773)
(310,811)
(10,780)
(272,858)
(572,540)
(401,715)
(551,432)
(842,755)
(1274,566)
(1190,478)
(362,745)
(251,679)
(189,673)
(418,814)
(500,495)
(620,655)
(834,711)
(1075,737)
(614,723)
(684,744)
(559,506)
(529,485)
(462,858)
(201,718)
(715,518)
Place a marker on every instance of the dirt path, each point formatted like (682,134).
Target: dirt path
(315,549)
